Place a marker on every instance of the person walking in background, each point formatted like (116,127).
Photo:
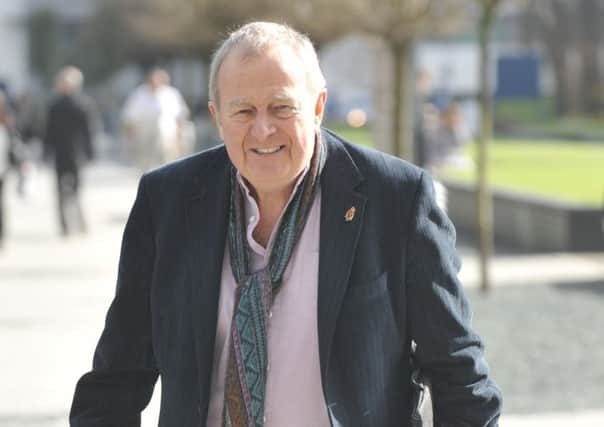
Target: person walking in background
(8,153)
(154,118)
(453,134)
(29,118)
(9,99)
(439,127)
(68,139)
(425,119)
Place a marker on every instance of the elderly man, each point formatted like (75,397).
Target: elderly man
(279,280)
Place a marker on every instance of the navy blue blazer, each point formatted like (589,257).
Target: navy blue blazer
(385,278)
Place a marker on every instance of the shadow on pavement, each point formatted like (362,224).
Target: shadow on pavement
(594,287)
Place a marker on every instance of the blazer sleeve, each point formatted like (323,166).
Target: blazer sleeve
(448,351)
(124,372)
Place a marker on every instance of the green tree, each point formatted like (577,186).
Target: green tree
(572,35)
(108,41)
(189,25)
(398,24)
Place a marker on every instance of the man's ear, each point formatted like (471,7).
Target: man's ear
(214,112)
(320,107)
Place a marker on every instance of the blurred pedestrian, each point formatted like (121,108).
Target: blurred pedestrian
(68,139)
(425,119)
(439,127)
(5,91)
(9,152)
(29,118)
(453,134)
(205,131)
(155,116)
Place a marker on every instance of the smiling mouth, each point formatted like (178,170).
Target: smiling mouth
(270,150)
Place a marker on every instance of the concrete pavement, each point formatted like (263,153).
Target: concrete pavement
(54,293)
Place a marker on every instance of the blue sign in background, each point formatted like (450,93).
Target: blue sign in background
(518,77)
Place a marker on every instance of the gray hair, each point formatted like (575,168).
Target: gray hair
(257,37)
(69,80)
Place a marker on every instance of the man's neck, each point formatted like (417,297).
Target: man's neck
(270,206)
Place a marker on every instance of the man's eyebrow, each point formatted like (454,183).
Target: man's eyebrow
(238,102)
(285,97)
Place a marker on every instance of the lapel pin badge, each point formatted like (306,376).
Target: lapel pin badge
(349,216)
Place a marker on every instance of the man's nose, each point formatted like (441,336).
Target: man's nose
(262,127)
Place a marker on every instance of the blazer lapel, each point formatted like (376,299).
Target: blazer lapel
(207,218)
(342,212)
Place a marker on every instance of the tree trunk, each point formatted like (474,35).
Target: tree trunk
(591,34)
(560,41)
(402,91)
(562,81)
(553,24)
(484,197)
(591,83)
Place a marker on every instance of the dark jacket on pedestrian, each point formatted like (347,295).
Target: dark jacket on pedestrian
(68,135)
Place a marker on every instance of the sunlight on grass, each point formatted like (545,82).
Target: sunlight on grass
(570,171)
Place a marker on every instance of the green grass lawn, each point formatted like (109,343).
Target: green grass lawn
(538,115)
(361,136)
(523,111)
(586,126)
(563,170)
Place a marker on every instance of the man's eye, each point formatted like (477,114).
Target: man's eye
(243,112)
(284,111)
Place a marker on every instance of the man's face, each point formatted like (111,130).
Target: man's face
(267,117)
(157,79)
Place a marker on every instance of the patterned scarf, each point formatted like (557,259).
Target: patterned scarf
(245,383)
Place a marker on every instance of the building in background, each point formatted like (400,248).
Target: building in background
(14,67)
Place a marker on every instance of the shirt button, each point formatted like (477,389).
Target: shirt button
(264,420)
(252,218)
(268,367)
(270,314)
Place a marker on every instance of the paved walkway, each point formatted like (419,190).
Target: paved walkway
(54,293)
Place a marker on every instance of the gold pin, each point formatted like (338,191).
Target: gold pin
(349,216)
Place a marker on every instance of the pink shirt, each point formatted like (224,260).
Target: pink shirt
(294,394)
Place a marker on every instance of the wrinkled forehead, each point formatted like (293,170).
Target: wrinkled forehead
(282,67)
